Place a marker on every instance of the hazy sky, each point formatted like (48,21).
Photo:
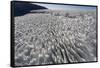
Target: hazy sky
(66,7)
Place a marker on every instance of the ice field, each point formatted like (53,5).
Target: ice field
(55,37)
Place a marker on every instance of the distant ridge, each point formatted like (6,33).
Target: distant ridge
(24,8)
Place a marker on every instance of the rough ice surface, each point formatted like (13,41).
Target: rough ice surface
(55,37)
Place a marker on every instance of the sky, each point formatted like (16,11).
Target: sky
(67,7)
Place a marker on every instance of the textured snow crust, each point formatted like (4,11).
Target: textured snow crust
(55,37)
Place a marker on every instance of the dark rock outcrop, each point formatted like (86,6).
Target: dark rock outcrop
(21,8)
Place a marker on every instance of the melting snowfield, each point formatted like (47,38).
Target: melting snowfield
(55,37)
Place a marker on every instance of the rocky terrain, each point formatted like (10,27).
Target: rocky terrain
(55,37)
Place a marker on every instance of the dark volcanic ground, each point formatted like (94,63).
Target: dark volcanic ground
(55,37)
